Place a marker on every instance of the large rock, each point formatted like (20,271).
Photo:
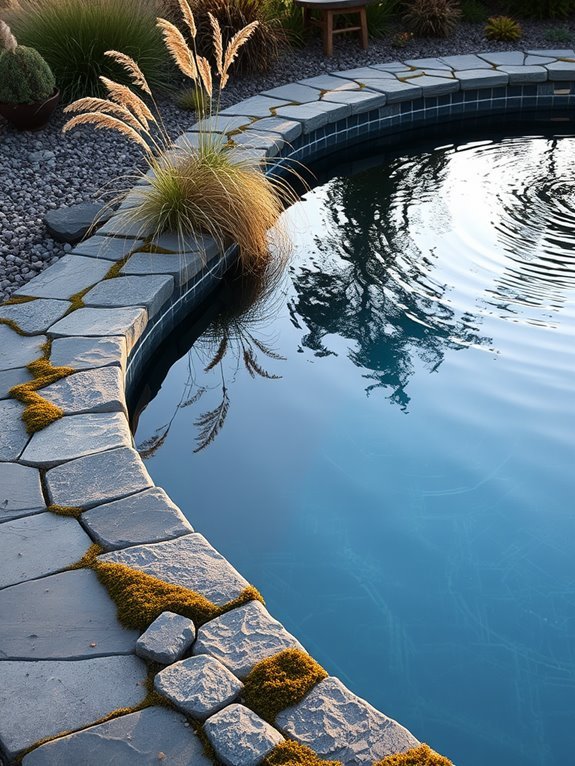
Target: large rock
(20,491)
(340,726)
(42,699)
(99,390)
(239,737)
(62,616)
(95,323)
(244,636)
(167,639)
(14,377)
(189,561)
(76,436)
(13,435)
(97,479)
(87,353)
(18,351)
(148,517)
(34,317)
(198,686)
(66,277)
(70,224)
(150,292)
(148,737)
(61,540)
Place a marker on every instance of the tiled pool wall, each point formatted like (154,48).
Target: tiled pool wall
(297,123)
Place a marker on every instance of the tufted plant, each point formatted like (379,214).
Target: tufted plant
(502,28)
(431,18)
(25,77)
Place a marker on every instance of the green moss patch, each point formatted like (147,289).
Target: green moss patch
(417,756)
(39,412)
(281,681)
(66,510)
(13,326)
(16,299)
(291,753)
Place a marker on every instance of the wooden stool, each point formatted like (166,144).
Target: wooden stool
(327,12)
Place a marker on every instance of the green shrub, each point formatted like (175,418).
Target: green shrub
(561,35)
(24,75)
(502,28)
(73,36)
(290,17)
(432,18)
(379,16)
(543,9)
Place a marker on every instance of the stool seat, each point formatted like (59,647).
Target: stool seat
(327,10)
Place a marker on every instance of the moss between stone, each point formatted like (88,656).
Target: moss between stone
(76,301)
(281,681)
(14,326)
(291,753)
(16,299)
(417,756)
(66,510)
(115,269)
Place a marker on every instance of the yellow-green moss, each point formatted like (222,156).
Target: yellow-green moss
(39,412)
(66,510)
(17,299)
(281,681)
(291,753)
(14,326)
(417,756)
(115,269)
(76,300)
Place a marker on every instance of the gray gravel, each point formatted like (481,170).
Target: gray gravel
(44,170)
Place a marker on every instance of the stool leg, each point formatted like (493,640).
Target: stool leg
(363,24)
(328,33)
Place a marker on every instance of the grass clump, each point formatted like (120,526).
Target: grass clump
(290,753)
(193,100)
(417,756)
(503,28)
(281,681)
(432,18)
(74,35)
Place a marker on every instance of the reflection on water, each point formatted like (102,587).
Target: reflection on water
(396,468)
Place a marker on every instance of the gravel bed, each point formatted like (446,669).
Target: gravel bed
(46,169)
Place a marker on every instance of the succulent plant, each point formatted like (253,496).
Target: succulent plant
(432,18)
(502,28)
(25,77)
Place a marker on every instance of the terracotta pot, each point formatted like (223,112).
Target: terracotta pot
(30,116)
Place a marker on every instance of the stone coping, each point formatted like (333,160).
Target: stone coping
(65,662)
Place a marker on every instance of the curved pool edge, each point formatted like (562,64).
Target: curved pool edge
(87,458)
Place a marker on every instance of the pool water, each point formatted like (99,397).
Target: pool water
(383,441)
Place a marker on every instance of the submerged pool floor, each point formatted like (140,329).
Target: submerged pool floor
(383,441)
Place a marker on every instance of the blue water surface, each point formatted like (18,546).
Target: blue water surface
(402,491)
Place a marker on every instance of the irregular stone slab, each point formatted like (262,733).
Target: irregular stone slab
(474,79)
(288,129)
(18,351)
(66,277)
(226,123)
(42,699)
(128,322)
(150,292)
(148,517)
(201,244)
(63,616)
(256,106)
(75,436)
(70,224)
(97,479)
(99,390)
(189,561)
(148,737)
(167,639)
(339,725)
(13,436)
(437,86)
(465,61)
(397,67)
(293,93)
(9,378)
(328,82)
(538,60)
(87,353)
(504,58)
(272,143)
(39,545)
(20,491)
(240,737)
(108,248)
(395,90)
(36,316)
(558,53)
(561,70)
(314,116)
(198,686)
(359,100)
(123,225)
(520,74)
(358,74)
(244,636)
(181,266)
(424,63)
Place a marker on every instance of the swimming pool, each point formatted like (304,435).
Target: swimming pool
(383,441)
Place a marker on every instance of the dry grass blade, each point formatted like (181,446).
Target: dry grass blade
(239,39)
(212,422)
(107,107)
(188,17)
(7,39)
(106,122)
(122,95)
(132,68)
(219,355)
(218,43)
(205,74)
(178,49)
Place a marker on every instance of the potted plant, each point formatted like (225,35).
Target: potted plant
(28,93)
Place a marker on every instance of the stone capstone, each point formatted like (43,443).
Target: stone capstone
(61,540)
(34,317)
(42,699)
(87,353)
(68,276)
(20,491)
(108,248)
(181,266)
(99,390)
(150,292)
(70,224)
(97,479)
(167,639)
(240,737)
(127,322)
(147,737)
(242,637)
(13,435)
(189,561)
(198,686)
(18,351)
(340,726)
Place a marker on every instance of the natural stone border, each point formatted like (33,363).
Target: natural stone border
(61,633)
